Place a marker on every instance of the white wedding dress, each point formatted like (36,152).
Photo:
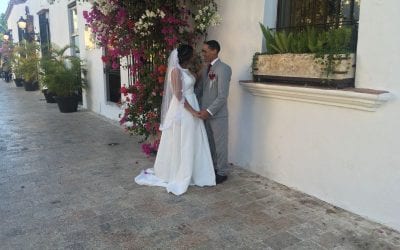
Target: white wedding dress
(183,156)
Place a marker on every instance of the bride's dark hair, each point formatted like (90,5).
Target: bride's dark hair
(185,52)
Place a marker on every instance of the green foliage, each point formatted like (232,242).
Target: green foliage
(16,63)
(269,37)
(334,44)
(30,63)
(314,41)
(333,41)
(299,43)
(283,42)
(328,46)
(25,61)
(62,74)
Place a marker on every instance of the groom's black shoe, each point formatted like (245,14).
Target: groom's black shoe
(220,178)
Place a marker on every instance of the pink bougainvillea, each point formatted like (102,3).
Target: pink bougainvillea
(145,32)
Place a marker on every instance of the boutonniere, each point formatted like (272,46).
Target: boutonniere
(211,75)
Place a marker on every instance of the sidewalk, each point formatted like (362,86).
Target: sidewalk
(62,186)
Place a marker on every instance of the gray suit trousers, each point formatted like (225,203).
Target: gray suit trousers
(217,133)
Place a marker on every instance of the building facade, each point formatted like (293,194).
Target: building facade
(338,146)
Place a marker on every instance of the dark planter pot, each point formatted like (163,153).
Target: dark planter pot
(31,86)
(67,104)
(19,82)
(49,96)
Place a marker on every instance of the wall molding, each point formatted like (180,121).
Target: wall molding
(353,98)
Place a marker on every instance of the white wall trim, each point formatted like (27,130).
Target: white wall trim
(360,99)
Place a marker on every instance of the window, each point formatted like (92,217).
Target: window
(44,30)
(89,38)
(20,34)
(113,82)
(73,29)
(297,13)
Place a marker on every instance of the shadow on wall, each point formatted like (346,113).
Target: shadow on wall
(245,142)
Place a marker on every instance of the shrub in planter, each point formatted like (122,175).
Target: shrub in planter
(29,65)
(19,82)
(31,85)
(308,57)
(16,66)
(49,96)
(67,104)
(62,75)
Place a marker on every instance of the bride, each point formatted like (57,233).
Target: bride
(183,156)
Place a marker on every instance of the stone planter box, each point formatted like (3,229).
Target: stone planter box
(304,69)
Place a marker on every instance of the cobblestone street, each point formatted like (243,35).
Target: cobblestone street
(63,186)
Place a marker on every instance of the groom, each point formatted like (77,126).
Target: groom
(212,89)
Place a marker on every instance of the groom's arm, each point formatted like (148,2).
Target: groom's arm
(223,90)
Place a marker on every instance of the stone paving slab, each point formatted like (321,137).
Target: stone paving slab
(63,187)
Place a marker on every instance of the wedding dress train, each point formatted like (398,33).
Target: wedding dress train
(183,156)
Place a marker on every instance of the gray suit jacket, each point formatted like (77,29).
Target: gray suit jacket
(213,93)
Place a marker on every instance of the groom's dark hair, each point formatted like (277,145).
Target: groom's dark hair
(214,45)
(185,52)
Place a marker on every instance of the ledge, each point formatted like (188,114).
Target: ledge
(353,98)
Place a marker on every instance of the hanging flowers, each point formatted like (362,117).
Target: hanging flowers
(145,32)
(147,21)
(206,17)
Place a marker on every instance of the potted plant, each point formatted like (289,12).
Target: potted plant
(16,66)
(62,75)
(49,96)
(29,65)
(307,57)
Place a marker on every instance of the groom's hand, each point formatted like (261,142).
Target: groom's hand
(204,114)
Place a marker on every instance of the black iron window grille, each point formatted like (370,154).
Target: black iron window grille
(322,15)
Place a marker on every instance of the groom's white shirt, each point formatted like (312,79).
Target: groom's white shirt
(212,63)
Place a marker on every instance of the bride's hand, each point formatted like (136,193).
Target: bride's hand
(196,114)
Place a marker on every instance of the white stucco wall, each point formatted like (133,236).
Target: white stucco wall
(346,157)
(19,10)
(58,20)
(95,97)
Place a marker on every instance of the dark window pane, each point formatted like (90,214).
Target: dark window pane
(295,13)
(44,30)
